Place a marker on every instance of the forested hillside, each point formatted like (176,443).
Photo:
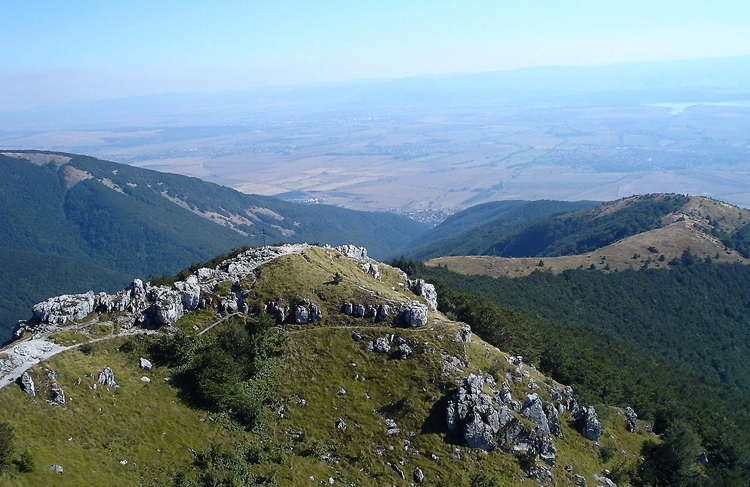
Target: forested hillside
(671,343)
(472,231)
(134,222)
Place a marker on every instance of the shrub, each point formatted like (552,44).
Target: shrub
(26,462)
(7,447)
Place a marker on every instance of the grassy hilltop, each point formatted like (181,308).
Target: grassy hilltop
(235,399)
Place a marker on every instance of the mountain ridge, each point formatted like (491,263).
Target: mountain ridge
(134,221)
(355,345)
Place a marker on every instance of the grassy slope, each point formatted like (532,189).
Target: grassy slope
(688,228)
(145,424)
(318,362)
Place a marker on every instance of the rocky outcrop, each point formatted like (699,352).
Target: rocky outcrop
(107,378)
(602,481)
(533,410)
(63,309)
(418,475)
(353,252)
(372,269)
(155,306)
(27,384)
(425,290)
(306,312)
(464,333)
(383,313)
(380,345)
(632,420)
(591,428)
(56,394)
(415,314)
(471,413)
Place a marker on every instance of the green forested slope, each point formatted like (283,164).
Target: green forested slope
(673,344)
(471,231)
(29,277)
(128,220)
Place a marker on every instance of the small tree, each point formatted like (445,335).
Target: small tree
(337,278)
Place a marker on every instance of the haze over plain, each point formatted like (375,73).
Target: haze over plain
(286,115)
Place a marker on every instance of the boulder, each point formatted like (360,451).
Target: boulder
(383,313)
(144,364)
(107,378)
(56,394)
(591,428)
(340,424)
(380,345)
(632,420)
(27,384)
(348,309)
(427,291)
(533,410)
(404,351)
(356,336)
(56,468)
(418,475)
(415,314)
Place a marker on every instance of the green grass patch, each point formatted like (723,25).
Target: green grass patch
(67,338)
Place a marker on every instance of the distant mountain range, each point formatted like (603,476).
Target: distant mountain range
(71,223)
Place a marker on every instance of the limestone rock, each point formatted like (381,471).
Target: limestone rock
(397,470)
(353,252)
(107,378)
(391,427)
(404,351)
(359,311)
(168,306)
(62,309)
(632,420)
(383,313)
(591,427)
(418,475)
(144,364)
(356,336)
(27,384)
(416,314)
(340,424)
(553,420)
(56,468)
(57,395)
(427,291)
(602,481)
(464,333)
(534,412)
(301,314)
(381,345)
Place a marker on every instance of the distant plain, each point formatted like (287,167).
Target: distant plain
(430,146)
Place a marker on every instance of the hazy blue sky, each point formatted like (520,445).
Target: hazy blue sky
(62,50)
